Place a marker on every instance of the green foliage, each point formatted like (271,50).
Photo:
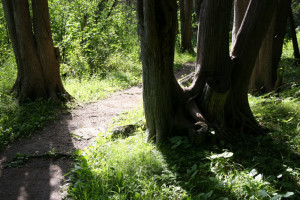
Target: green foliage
(268,168)
(296,12)
(181,58)
(20,121)
(90,32)
(8,74)
(95,87)
(134,169)
(281,116)
(124,169)
(5,48)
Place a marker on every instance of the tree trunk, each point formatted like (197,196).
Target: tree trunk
(157,22)
(265,77)
(212,84)
(218,96)
(240,8)
(294,36)
(186,25)
(280,31)
(244,53)
(37,59)
(221,85)
(261,79)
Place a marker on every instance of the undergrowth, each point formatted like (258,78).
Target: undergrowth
(19,121)
(132,168)
(125,73)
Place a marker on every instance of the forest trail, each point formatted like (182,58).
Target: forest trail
(41,177)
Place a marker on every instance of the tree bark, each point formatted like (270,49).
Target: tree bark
(280,32)
(186,25)
(261,79)
(37,59)
(240,8)
(157,22)
(213,67)
(223,101)
(264,76)
(244,53)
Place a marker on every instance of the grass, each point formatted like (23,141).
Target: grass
(98,86)
(131,168)
(181,58)
(20,121)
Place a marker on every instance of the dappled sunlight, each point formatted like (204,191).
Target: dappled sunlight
(110,56)
(217,172)
(130,167)
(124,168)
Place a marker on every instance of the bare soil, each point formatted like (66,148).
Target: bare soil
(42,178)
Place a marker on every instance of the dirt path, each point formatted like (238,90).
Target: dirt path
(41,178)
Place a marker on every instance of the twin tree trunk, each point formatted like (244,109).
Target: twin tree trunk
(37,59)
(265,77)
(218,97)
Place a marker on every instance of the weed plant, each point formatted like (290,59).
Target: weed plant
(125,72)
(266,168)
(19,121)
(181,58)
(132,168)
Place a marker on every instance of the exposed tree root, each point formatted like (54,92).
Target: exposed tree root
(230,131)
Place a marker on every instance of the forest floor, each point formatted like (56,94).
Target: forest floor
(36,168)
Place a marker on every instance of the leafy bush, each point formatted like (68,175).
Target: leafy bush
(89,33)
(20,121)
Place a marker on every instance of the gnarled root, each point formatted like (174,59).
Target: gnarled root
(198,133)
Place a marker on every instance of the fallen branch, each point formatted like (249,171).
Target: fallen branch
(187,79)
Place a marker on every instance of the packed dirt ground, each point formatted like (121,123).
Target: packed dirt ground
(42,176)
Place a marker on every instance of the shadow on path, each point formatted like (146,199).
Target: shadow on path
(37,178)
(41,178)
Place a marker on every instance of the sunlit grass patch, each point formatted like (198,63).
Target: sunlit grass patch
(131,168)
(128,168)
(19,121)
(281,116)
(8,74)
(124,169)
(125,73)
(181,58)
